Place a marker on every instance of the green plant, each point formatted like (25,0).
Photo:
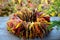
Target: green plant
(55,7)
(53,24)
(8,9)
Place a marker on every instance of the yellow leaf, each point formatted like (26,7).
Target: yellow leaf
(59,15)
(42,1)
(18,25)
(52,14)
(19,1)
(39,7)
(48,22)
(46,1)
(52,0)
(12,31)
(31,25)
(9,29)
(13,1)
(30,34)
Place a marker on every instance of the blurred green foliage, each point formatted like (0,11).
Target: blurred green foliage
(8,9)
(53,24)
(52,7)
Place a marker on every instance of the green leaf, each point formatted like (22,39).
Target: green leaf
(53,24)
